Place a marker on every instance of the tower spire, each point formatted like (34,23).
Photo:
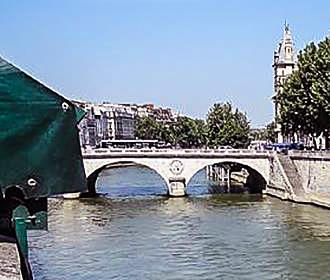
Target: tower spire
(285,50)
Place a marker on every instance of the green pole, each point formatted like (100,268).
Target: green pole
(20,227)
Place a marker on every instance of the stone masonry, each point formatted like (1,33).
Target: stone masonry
(307,180)
(314,170)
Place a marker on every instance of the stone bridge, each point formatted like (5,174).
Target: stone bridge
(176,167)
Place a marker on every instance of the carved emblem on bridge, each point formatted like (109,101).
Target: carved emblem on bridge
(176,167)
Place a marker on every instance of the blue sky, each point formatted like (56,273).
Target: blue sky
(185,54)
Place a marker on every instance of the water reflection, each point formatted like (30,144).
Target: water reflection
(205,236)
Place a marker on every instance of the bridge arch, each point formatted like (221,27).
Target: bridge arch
(93,172)
(257,170)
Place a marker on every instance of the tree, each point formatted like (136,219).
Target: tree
(190,133)
(270,132)
(201,139)
(185,132)
(266,133)
(147,128)
(304,101)
(258,134)
(226,126)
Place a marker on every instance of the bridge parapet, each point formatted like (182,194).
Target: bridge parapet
(201,152)
(324,155)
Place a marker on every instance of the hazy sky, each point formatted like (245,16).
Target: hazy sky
(185,54)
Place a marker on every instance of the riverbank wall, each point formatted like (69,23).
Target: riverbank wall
(302,177)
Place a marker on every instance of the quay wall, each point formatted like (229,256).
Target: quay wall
(278,185)
(314,170)
(312,178)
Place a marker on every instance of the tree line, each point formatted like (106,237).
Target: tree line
(224,126)
(304,100)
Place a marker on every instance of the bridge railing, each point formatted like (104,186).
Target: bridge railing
(177,151)
(321,154)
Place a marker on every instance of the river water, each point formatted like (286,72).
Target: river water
(133,232)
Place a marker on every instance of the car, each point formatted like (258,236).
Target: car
(297,146)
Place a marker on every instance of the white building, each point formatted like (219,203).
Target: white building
(121,121)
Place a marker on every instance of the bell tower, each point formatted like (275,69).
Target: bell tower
(284,63)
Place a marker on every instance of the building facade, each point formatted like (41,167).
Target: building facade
(110,121)
(120,121)
(93,128)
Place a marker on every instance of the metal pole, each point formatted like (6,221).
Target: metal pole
(228,180)
(21,233)
(223,175)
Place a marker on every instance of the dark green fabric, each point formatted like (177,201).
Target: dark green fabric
(38,136)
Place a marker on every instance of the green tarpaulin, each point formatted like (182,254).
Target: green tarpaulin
(39,145)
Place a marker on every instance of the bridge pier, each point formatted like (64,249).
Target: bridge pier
(177,187)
